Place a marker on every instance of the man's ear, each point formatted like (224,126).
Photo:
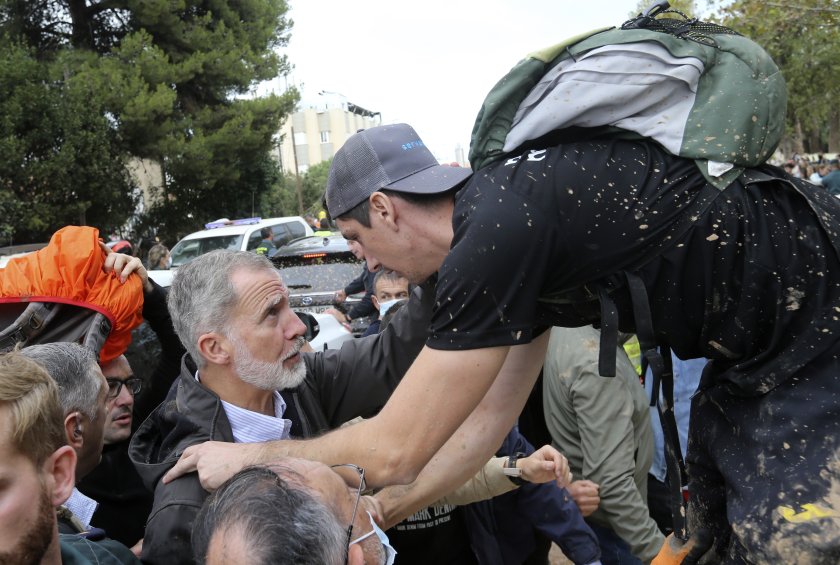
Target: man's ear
(375,301)
(60,470)
(355,555)
(382,207)
(74,430)
(215,348)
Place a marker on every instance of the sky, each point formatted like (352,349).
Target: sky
(431,63)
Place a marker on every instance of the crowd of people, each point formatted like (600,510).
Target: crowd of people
(819,169)
(500,294)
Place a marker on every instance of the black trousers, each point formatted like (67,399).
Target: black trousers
(764,471)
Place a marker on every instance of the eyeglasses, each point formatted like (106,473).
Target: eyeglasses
(133,384)
(362,487)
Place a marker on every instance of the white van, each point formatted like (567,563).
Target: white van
(241,234)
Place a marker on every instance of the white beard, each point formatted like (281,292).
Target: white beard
(263,374)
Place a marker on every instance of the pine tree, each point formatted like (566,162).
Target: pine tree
(169,82)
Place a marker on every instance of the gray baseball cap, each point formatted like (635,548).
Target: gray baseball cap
(392,157)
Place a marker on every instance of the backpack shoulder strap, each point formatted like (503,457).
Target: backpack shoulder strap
(27,325)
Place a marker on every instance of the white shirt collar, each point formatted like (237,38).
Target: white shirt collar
(81,506)
(251,427)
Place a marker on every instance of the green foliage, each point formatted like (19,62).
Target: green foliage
(59,157)
(687,7)
(314,185)
(802,38)
(280,200)
(151,79)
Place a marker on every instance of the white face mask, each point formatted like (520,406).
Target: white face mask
(390,552)
(385,306)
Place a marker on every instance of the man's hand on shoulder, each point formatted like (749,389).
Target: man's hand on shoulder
(123,265)
(215,462)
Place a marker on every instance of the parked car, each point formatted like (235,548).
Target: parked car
(243,234)
(314,268)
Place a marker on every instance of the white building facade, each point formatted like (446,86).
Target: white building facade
(313,135)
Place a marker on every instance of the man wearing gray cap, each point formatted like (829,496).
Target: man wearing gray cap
(624,234)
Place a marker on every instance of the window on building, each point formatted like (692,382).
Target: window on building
(325,136)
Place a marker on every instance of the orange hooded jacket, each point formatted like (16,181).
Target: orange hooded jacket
(69,270)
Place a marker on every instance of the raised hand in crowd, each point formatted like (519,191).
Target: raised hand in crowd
(123,265)
(544,465)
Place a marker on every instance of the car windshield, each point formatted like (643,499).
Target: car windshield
(315,277)
(188,249)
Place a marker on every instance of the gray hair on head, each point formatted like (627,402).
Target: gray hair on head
(202,295)
(73,367)
(388,275)
(282,522)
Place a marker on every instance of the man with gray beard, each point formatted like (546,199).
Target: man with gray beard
(231,311)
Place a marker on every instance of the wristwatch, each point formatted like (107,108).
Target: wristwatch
(511,471)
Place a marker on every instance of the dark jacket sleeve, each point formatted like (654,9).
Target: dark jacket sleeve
(169,528)
(154,392)
(357,284)
(79,550)
(364,307)
(358,379)
(552,511)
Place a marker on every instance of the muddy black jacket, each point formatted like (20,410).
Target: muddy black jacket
(355,380)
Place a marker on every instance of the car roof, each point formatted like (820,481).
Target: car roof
(314,243)
(243,228)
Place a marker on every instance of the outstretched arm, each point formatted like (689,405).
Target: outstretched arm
(476,440)
(439,392)
(490,481)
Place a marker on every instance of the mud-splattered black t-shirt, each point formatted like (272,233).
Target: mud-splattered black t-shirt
(753,283)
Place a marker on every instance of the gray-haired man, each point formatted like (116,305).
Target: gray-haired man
(294,512)
(83,393)
(231,311)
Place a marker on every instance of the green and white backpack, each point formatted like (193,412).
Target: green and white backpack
(700,90)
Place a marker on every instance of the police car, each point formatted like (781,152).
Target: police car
(242,234)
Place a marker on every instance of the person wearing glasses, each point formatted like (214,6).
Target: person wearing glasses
(124,502)
(83,393)
(245,380)
(293,511)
